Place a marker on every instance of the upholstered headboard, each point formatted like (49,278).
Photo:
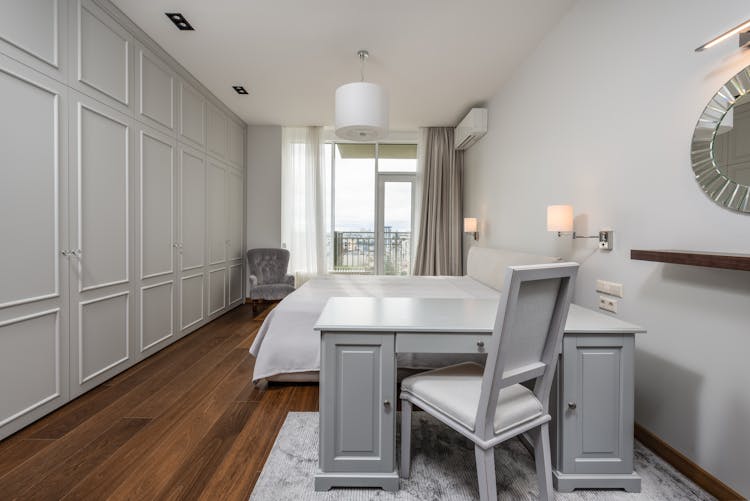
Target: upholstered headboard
(488,265)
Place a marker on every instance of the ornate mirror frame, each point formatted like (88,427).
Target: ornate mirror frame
(719,188)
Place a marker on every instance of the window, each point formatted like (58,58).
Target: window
(371,207)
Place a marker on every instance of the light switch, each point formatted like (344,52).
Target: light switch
(611,288)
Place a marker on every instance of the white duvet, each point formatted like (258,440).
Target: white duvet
(286,342)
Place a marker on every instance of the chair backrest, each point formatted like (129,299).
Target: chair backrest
(268,265)
(528,331)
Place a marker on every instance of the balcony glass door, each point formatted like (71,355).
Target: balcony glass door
(395,195)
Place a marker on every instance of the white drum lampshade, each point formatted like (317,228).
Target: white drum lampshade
(560,218)
(361,112)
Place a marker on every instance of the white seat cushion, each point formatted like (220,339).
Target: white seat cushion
(455,390)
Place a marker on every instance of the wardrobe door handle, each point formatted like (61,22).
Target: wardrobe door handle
(572,405)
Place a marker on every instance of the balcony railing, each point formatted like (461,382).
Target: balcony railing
(354,252)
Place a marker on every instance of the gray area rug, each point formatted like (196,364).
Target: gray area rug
(443,468)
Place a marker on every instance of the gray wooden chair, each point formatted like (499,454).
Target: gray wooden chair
(489,405)
(267,270)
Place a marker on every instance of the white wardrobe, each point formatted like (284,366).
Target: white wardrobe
(121,202)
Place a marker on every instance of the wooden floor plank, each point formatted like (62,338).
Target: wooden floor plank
(182,424)
(62,478)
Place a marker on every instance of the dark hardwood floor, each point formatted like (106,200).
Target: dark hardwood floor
(186,423)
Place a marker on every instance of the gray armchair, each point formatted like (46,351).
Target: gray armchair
(267,272)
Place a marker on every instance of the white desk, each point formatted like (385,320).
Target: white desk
(359,341)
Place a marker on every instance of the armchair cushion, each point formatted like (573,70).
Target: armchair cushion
(455,390)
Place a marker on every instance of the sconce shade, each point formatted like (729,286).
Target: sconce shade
(470,225)
(560,218)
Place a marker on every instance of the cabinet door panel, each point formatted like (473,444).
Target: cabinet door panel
(218,128)
(29,363)
(102,204)
(217,290)
(157,219)
(156,314)
(103,55)
(598,431)
(29,189)
(357,376)
(103,335)
(33,32)
(155,90)
(234,221)
(217,213)
(192,208)
(192,116)
(191,300)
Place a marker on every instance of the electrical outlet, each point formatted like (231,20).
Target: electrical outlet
(611,288)
(608,304)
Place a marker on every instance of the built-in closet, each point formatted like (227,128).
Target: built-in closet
(121,202)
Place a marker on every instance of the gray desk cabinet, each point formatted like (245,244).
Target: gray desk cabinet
(357,411)
(592,413)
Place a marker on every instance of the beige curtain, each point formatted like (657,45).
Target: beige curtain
(440,240)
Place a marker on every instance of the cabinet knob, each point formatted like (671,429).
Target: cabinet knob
(572,405)
(387,403)
(480,344)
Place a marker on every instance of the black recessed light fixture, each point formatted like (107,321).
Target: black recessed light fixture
(239,89)
(179,21)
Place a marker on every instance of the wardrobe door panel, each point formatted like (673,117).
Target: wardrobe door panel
(236,153)
(192,208)
(29,188)
(156,84)
(33,32)
(234,221)
(235,283)
(30,369)
(192,116)
(157,181)
(217,131)
(103,294)
(217,213)
(217,287)
(33,258)
(191,300)
(103,56)
(102,204)
(156,314)
(103,335)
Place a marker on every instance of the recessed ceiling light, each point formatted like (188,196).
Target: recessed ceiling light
(179,21)
(239,89)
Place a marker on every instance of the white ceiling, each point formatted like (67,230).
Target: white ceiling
(437,58)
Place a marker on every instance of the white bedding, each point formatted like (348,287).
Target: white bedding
(286,342)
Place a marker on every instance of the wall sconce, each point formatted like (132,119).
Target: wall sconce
(560,220)
(470,226)
(743,30)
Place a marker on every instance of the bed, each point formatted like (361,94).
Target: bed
(287,348)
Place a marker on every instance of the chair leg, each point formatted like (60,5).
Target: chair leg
(543,460)
(405,438)
(486,473)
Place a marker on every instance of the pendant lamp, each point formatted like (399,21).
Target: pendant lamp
(361,108)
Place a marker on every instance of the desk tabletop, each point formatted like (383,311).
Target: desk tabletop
(411,314)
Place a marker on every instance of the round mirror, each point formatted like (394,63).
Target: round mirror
(721,145)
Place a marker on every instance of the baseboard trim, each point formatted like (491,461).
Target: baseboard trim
(686,466)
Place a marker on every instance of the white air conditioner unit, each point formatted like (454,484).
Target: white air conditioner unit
(471,129)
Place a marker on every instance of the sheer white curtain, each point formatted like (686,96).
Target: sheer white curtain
(303,195)
(417,202)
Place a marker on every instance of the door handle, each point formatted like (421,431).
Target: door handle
(572,405)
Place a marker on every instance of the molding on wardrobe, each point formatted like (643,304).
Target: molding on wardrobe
(686,466)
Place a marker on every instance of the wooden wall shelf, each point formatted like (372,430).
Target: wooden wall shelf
(695,258)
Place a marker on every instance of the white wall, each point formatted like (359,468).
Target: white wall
(600,116)
(263,186)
